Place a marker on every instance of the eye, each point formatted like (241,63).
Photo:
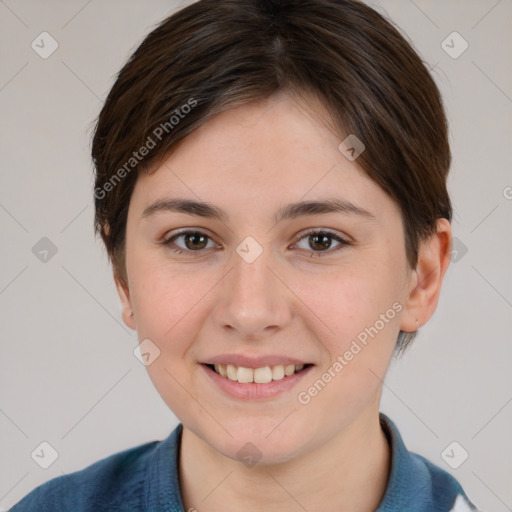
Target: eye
(321,240)
(194,241)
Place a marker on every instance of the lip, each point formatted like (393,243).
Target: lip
(253,391)
(253,362)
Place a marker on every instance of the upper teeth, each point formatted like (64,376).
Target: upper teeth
(257,375)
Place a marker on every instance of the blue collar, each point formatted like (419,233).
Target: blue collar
(415,484)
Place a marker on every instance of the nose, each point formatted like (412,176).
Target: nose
(252,301)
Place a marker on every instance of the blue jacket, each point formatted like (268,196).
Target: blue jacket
(145,478)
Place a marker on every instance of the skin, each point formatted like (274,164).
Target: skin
(295,299)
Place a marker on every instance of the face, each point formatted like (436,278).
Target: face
(307,302)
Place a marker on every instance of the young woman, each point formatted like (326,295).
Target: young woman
(271,190)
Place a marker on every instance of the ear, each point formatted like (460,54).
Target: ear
(427,277)
(124,296)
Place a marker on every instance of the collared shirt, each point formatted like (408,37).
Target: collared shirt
(145,478)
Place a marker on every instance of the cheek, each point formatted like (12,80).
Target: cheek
(164,297)
(349,300)
(163,304)
(361,310)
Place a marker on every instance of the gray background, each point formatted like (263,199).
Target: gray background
(68,375)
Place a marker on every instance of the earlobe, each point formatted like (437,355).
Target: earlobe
(124,296)
(427,278)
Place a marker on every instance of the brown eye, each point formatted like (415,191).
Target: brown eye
(193,241)
(321,241)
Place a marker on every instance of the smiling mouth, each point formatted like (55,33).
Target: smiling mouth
(261,375)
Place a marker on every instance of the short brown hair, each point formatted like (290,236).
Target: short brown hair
(216,54)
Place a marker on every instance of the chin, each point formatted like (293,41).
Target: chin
(259,442)
(262,453)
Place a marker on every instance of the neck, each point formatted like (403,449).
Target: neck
(349,472)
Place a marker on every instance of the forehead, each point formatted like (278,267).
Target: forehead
(259,155)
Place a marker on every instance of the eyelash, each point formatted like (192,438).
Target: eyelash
(169,242)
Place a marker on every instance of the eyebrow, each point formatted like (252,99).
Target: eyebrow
(290,211)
